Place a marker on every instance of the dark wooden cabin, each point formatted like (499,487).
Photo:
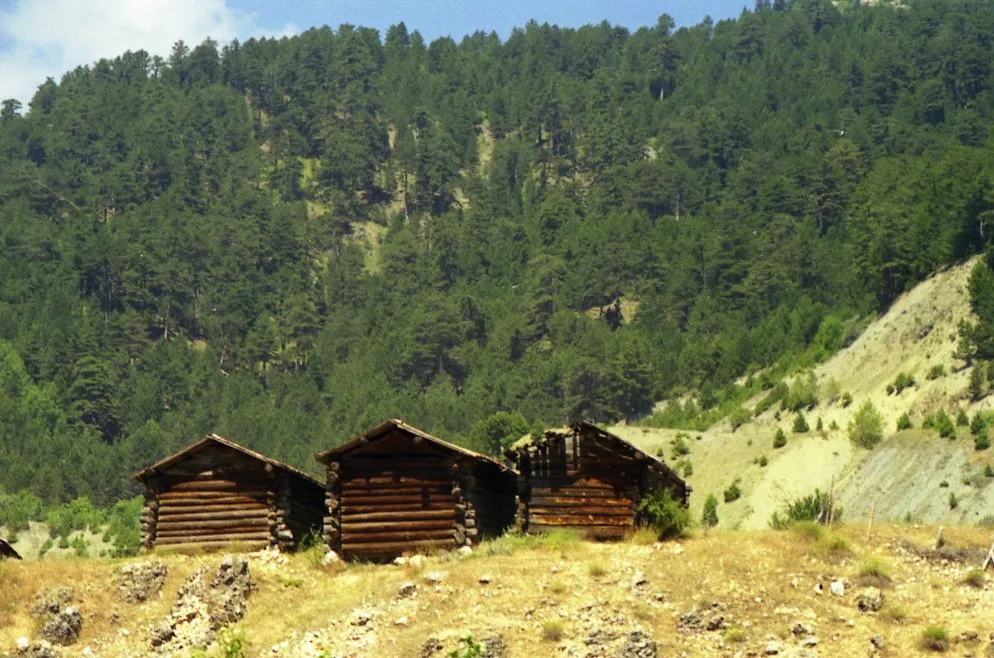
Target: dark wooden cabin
(397,490)
(7,551)
(216,493)
(588,480)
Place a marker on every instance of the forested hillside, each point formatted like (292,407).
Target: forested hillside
(566,223)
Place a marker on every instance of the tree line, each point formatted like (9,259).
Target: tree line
(564,223)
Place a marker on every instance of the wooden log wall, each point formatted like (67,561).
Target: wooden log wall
(150,516)
(333,508)
(491,495)
(207,510)
(573,483)
(389,506)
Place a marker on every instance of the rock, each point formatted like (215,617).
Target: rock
(40,649)
(877,641)
(716,623)
(362,617)
(431,647)
(435,577)
(819,588)
(407,589)
(464,551)
(773,648)
(50,600)
(416,561)
(139,581)
(800,629)
(639,644)
(690,621)
(203,607)
(23,644)
(400,621)
(330,557)
(639,580)
(870,599)
(838,588)
(400,561)
(485,579)
(63,627)
(494,647)
(809,641)
(969,637)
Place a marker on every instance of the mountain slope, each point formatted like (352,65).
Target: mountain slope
(910,474)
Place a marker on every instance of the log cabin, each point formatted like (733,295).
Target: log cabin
(217,494)
(587,480)
(397,490)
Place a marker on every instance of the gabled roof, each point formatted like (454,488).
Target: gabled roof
(634,451)
(392,424)
(214,439)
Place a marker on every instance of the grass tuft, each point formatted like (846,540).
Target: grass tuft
(874,571)
(935,638)
(975,578)
(895,612)
(553,630)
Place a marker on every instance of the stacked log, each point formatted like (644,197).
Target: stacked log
(212,511)
(390,508)
(333,504)
(149,518)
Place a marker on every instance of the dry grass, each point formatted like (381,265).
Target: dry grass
(536,579)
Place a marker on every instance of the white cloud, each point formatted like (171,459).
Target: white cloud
(40,38)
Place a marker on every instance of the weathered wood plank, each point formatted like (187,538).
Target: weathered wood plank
(395,507)
(220,485)
(396,526)
(391,537)
(240,508)
(216,538)
(421,515)
(230,513)
(167,526)
(537,518)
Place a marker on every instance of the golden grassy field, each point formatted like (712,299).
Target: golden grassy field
(564,597)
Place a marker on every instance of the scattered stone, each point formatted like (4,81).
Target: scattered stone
(23,644)
(494,647)
(63,627)
(877,641)
(400,621)
(416,561)
(140,581)
(639,580)
(810,641)
(838,588)
(40,649)
(362,617)
(969,637)
(431,647)
(773,648)
(870,599)
(330,557)
(407,589)
(639,644)
(819,588)
(800,629)
(49,601)
(716,623)
(203,607)
(465,550)
(690,621)
(435,577)
(485,579)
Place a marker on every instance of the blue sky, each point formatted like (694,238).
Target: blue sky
(456,18)
(40,38)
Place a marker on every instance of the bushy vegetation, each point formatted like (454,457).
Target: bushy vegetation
(119,524)
(901,382)
(904,422)
(665,515)
(936,371)
(801,423)
(934,638)
(944,425)
(779,439)
(866,426)
(740,416)
(962,419)
(818,507)
(803,393)
(733,492)
(709,516)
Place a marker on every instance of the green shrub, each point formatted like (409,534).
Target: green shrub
(978,425)
(874,567)
(936,371)
(709,518)
(944,484)
(866,426)
(981,442)
(733,492)
(680,447)
(596,570)
(231,643)
(944,424)
(777,394)
(818,507)
(928,422)
(989,471)
(962,420)
(978,386)
(901,382)
(45,547)
(80,514)
(904,422)
(935,638)
(665,515)
(834,426)
(846,399)
(820,427)
(780,440)
(469,648)
(803,393)
(800,424)
(739,417)
(953,500)
(18,510)
(895,612)
(763,461)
